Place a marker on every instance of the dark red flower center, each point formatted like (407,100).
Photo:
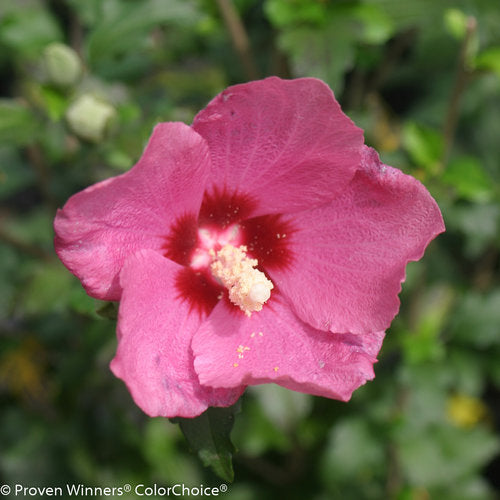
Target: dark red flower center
(224,218)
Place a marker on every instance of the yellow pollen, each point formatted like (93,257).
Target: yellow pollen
(248,287)
(276,368)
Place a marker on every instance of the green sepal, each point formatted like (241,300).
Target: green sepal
(209,435)
(108,310)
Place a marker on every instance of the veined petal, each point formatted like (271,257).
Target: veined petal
(285,143)
(155,328)
(274,345)
(350,255)
(100,226)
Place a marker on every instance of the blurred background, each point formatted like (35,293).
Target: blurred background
(82,82)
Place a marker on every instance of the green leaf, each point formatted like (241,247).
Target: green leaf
(123,27)
(33,228)
(283,13)
(109,310)
(479,223)
(18,124)
(54,102)
(468,367)
(49,289)
(10,264)
(489,60)
(455,22)
(28,30)
(468,177)
(377,25)
(424,145)
(325,53)
(353,450)
(406,13)
(425,458)
(256,433)
(281,406)
(431,311)
(15,174)
(476,319)
(427,386)
(327,49)
(80,302)
(161,445)
(209,434)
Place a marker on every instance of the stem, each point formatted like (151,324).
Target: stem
(485,269)
(361,86)
(393,55)
(461,80)
(239,38)
(278,475)
(279,60)
(394,479)
(24,246)
(76,34)
(35,157)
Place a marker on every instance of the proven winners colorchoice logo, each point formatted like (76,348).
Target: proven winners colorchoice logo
(141,490)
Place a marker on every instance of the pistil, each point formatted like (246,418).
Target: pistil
(248,287)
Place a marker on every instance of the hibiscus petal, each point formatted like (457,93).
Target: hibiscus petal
(286,143)
(350,255)
(273,345)
(100,226)
(154,356)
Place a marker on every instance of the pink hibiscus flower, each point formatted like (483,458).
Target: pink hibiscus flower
(265,243)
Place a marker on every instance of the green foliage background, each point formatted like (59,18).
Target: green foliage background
(422,77)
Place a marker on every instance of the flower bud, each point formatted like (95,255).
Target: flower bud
(62,64)
(90,117)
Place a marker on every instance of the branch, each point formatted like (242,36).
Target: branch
(23,246)
(239,38)
(37,161)
(461,80)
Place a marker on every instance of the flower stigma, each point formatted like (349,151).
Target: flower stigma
(248,287)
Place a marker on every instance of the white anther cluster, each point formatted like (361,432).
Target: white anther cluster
(248,287)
